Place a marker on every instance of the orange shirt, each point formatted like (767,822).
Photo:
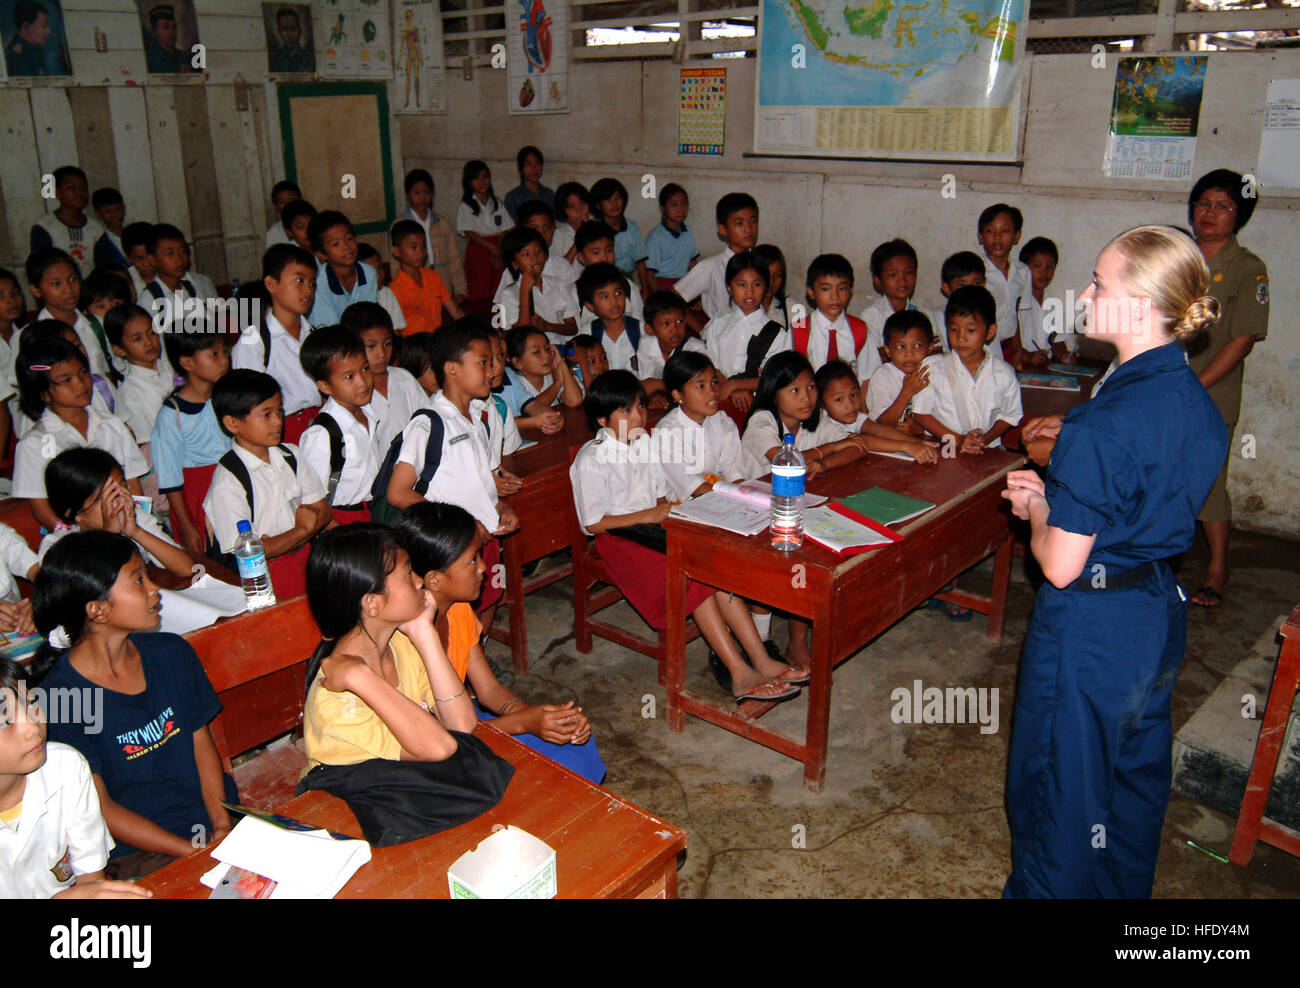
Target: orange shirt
(421,304)
(463,631)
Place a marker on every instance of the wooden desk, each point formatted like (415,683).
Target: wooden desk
(604,846)
(850,601)
(544,505)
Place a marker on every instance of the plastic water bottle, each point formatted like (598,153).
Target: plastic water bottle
(253,571)
(788,473)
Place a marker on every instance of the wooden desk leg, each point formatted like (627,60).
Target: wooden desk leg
(1001,580)
(674,641)
(819,700)
(515,601)
(1280,697)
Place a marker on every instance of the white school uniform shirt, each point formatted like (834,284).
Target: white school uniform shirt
(939,324)
(490,221)
(61,831)
(360,463)
(621,353)
(503,433)
(297,390)
(962,402)
(634,308)
(1006,289)
(464,474)
(18,559)
(707,281)
(650,359)
(146,520)
(23,425)
(276,234)
(85,332)
(875,316)
(728,335)
(168,316)
(385,297)
(404,396)
(1033,333)
(35,450)
(555,301)
(141,395)
(555,267)
(562,240)
(761,434)
(137,282)
(607,480)
(886,383)
(689,449)
(819,338)
(278,492)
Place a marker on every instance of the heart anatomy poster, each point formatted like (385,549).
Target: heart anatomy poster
(537,48)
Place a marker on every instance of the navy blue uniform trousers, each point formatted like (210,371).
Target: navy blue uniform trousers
(1091,746)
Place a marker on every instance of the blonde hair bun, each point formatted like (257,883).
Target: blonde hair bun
(1200,315)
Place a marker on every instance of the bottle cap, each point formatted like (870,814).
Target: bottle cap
(789,438)
(243,527)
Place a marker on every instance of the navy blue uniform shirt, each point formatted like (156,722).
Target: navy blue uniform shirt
(1134,465)
(145,750)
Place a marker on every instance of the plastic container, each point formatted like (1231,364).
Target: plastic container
(254,574)
(788,473)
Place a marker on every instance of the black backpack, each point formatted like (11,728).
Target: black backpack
(337,453)
(231,461)
(380,510)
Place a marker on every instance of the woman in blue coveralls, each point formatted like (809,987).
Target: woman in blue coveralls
(1089,773)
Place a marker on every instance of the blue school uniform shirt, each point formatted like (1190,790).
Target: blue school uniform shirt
(1135,464)
(185,434)
(669,254)
(521,194)
(629,248)
(144,750)
(331,299)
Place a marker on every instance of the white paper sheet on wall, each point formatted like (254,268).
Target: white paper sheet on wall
(1279,142)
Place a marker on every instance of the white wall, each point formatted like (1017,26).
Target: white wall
(623,123)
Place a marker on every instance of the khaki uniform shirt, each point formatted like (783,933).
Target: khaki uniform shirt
(1239,283)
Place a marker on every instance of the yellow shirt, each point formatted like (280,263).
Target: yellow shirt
(12,814)
(340,729)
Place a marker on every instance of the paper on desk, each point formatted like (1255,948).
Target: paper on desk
(305,865)
(200,605)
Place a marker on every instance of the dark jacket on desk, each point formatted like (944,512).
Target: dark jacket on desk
(396,802)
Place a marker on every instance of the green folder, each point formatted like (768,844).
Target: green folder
(884,506)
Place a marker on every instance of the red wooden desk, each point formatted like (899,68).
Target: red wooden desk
(543,504)
(604,846)
(850,601)
(1252,826)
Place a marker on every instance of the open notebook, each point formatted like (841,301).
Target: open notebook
(745,509)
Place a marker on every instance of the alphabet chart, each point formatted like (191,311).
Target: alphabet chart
(702,112)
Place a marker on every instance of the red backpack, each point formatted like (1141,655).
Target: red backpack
(799,335)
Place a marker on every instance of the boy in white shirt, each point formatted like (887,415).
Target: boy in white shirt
(289,275)
(972,396)
(737,218)
(339,445)
(664,336)
(68,228)
(894,385)
(383,294)
(893,276)
(603,290)
(282,193)
(263,481)
(178,296)
(741,340)
(594,244)
(397,394)
(530,292)
(959,270)
(54,842)
(1009,281)
(830,333)
(135,245)
(1041,257)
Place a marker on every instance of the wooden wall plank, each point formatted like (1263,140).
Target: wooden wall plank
(92,120)
(168,162)
(20,178)
(241,219)
(56,143)
(208,255)
(134,156)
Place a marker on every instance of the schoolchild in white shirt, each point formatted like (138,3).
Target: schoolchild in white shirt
(742,339)
(963,268)
(1008,280)
(530,292)
(263,481)
(481,219)
(893,276)
(135,245)
(604,290)
(775,303)
(737,226)
(383,294)
(837,390)
(972,396)
(54,281)
(503,433)
(339,445)
(68,228)
(149,379)
(282,193)
(594,244)
(397,394)
(571,211)
(621,495)
(16,560)
(909,340)
(1041,256)
(178,296)
(103,399)
(289,277)
(664,335)
(54,842)
(537,379)
(537,215)
(830,333)
(55,392)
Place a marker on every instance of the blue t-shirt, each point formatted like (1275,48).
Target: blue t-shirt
(185,434)
(670,254)
(629,248)
(144,750)
(1134,465)
(331,299)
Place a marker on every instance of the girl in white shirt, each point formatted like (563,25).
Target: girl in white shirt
(481,219)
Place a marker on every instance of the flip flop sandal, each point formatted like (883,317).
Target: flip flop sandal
(1212,597)
(789,693)
(957,613)
(800,680)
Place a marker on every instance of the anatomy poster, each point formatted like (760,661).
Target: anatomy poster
(418,79)
(353,39)
(537,45)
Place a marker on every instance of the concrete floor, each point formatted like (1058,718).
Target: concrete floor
(908,810)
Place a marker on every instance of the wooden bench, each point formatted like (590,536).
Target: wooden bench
(256,664)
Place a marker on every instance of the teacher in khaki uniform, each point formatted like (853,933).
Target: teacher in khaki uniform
(1217,209)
